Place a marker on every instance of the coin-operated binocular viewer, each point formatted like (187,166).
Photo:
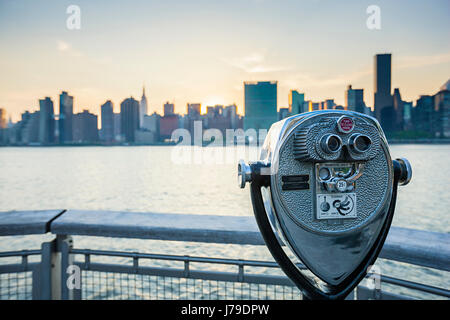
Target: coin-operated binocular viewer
(323,195)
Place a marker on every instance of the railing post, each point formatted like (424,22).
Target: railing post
(50,280)
(70,274)
(43,276)
(241,271)
(186,267)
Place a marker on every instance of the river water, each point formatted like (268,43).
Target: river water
(161,179)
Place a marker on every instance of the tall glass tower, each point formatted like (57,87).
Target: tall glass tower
(46,121)
(383,101)
(107,121)
(354,99)
(129,118)
(142,108)
(260,104)
(296,102)
(65,117)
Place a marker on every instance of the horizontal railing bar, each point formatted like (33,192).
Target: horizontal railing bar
(212,276)
(416,286)
(271,279)
(18,267)
(181,272)
(250,263)
(417,247)
(364,293)
(115,268)
(19,253)
(27,222)
(192,274)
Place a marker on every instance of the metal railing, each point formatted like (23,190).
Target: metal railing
(178,283)
(16,280)
(66,272)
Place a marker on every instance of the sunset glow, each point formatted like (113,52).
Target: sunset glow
(203,51)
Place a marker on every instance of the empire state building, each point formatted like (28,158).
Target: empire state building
(142,108)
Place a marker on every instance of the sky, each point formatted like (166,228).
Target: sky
(203,51)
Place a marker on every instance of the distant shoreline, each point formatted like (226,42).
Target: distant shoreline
(164,144)
(419,141)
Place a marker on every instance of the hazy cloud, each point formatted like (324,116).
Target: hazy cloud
(253,63)
(302,79)
(67,48)
(422,61)
(63,46)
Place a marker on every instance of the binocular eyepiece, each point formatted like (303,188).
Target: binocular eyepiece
(325,190)
(360,143)
(331,143)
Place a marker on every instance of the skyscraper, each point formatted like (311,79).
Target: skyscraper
(2,118)
(152,124)
(169,108)
(216,119)
(431,113)
(117,127)
(107,131)
(442,110)
(313,106)
(30,132)
(167,125)
(354,99)
(260,104)
(397,104)
(407,115)
(85,127)
(296,102)
(65,117)
(129,118)
(193,115)
(46,121)
(3,135)
(283,113)
(231,112)
(327,104)
(142,108)
(424,115)
(384,110)
(194,109)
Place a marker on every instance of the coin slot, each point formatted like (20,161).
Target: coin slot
(295,182)
(295,186)
(296,178)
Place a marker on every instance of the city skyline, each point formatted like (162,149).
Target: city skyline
(426,119)
(204,107)
(203,51)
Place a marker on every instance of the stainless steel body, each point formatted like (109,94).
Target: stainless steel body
(328,190)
